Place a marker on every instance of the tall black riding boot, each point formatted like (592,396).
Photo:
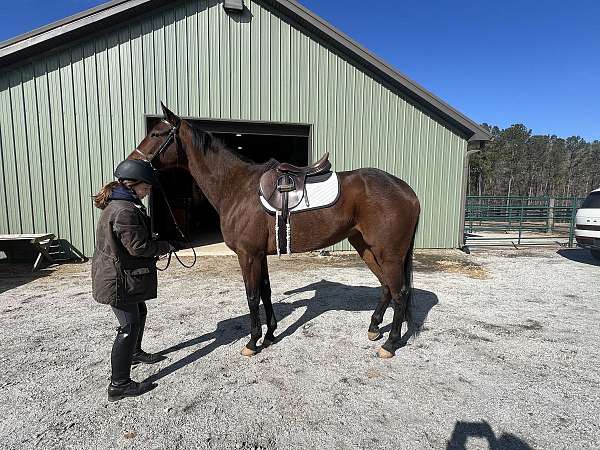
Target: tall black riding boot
(122,352)
(131,389)
(139,355)
(121,384)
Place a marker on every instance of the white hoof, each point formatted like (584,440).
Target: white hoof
(384,354)
(247,352)
(373,335)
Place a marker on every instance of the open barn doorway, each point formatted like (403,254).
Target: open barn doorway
(257,141)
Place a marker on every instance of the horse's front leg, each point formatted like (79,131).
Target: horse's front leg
(265,294)
(251,270)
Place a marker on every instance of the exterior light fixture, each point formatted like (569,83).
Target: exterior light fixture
(234,5)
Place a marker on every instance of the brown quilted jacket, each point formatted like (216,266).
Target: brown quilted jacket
(123,265)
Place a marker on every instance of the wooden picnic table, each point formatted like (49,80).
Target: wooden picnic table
(21,247)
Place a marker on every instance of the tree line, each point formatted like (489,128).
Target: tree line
(517,163)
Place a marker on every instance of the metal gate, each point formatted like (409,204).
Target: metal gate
(493,220)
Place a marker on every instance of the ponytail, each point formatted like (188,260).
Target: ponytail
(101,198)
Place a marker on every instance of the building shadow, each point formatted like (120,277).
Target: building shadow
(13,275)
(329,296)
(16,267)
(464,430)
(580,255)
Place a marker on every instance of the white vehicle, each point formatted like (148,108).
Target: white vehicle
(587,224)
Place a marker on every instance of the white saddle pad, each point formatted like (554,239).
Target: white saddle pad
(320,195)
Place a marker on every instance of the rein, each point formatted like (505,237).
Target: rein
(170,137)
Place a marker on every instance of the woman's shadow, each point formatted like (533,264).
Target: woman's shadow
(464,430)
(329,296)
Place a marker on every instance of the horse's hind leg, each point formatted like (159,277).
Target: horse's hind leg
(265,295)
(374,333)
(393,272)
(368,257)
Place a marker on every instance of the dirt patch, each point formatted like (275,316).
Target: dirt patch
(530,325)
(495,329)
(450,262)
(424,261)
(508,329)
(529,253)
(462,334)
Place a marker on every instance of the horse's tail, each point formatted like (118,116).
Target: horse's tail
(414,325)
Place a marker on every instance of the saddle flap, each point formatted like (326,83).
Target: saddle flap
(268,184)
(274,185)
(294,198)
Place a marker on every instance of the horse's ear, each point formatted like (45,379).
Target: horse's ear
(170,116)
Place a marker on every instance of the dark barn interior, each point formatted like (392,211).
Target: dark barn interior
(258,142)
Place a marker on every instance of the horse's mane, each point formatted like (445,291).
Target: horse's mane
(205,141)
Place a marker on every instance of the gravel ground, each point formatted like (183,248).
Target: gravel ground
(508,358)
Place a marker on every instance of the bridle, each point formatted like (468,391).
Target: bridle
(172,135)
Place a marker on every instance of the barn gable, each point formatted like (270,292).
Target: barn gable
(69,113)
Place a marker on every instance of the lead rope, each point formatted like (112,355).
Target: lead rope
(181,234)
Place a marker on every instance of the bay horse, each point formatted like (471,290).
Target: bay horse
(376,211)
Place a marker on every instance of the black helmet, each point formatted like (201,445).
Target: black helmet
(137,170)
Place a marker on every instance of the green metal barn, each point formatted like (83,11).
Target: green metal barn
(268,76)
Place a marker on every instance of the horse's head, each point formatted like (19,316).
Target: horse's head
(163,145)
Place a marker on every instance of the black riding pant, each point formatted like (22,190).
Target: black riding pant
(132,319)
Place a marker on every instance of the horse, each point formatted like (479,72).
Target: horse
(377,212)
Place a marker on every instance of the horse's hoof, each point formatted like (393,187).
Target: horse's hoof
(247,352)
(384,354)
(374,335)
(267,342)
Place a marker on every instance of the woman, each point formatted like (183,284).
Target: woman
(124,270)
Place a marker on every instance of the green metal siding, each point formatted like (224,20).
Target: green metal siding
(68,117)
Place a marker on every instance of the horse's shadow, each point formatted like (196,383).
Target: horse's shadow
(329,296)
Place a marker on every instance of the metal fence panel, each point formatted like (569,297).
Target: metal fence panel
(521,219)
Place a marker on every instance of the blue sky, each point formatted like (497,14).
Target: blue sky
(535,62)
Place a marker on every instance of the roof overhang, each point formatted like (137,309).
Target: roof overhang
(73,27)
(91,20)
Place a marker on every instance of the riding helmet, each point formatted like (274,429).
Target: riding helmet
(137,170)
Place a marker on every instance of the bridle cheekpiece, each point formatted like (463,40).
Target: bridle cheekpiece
(172,135)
